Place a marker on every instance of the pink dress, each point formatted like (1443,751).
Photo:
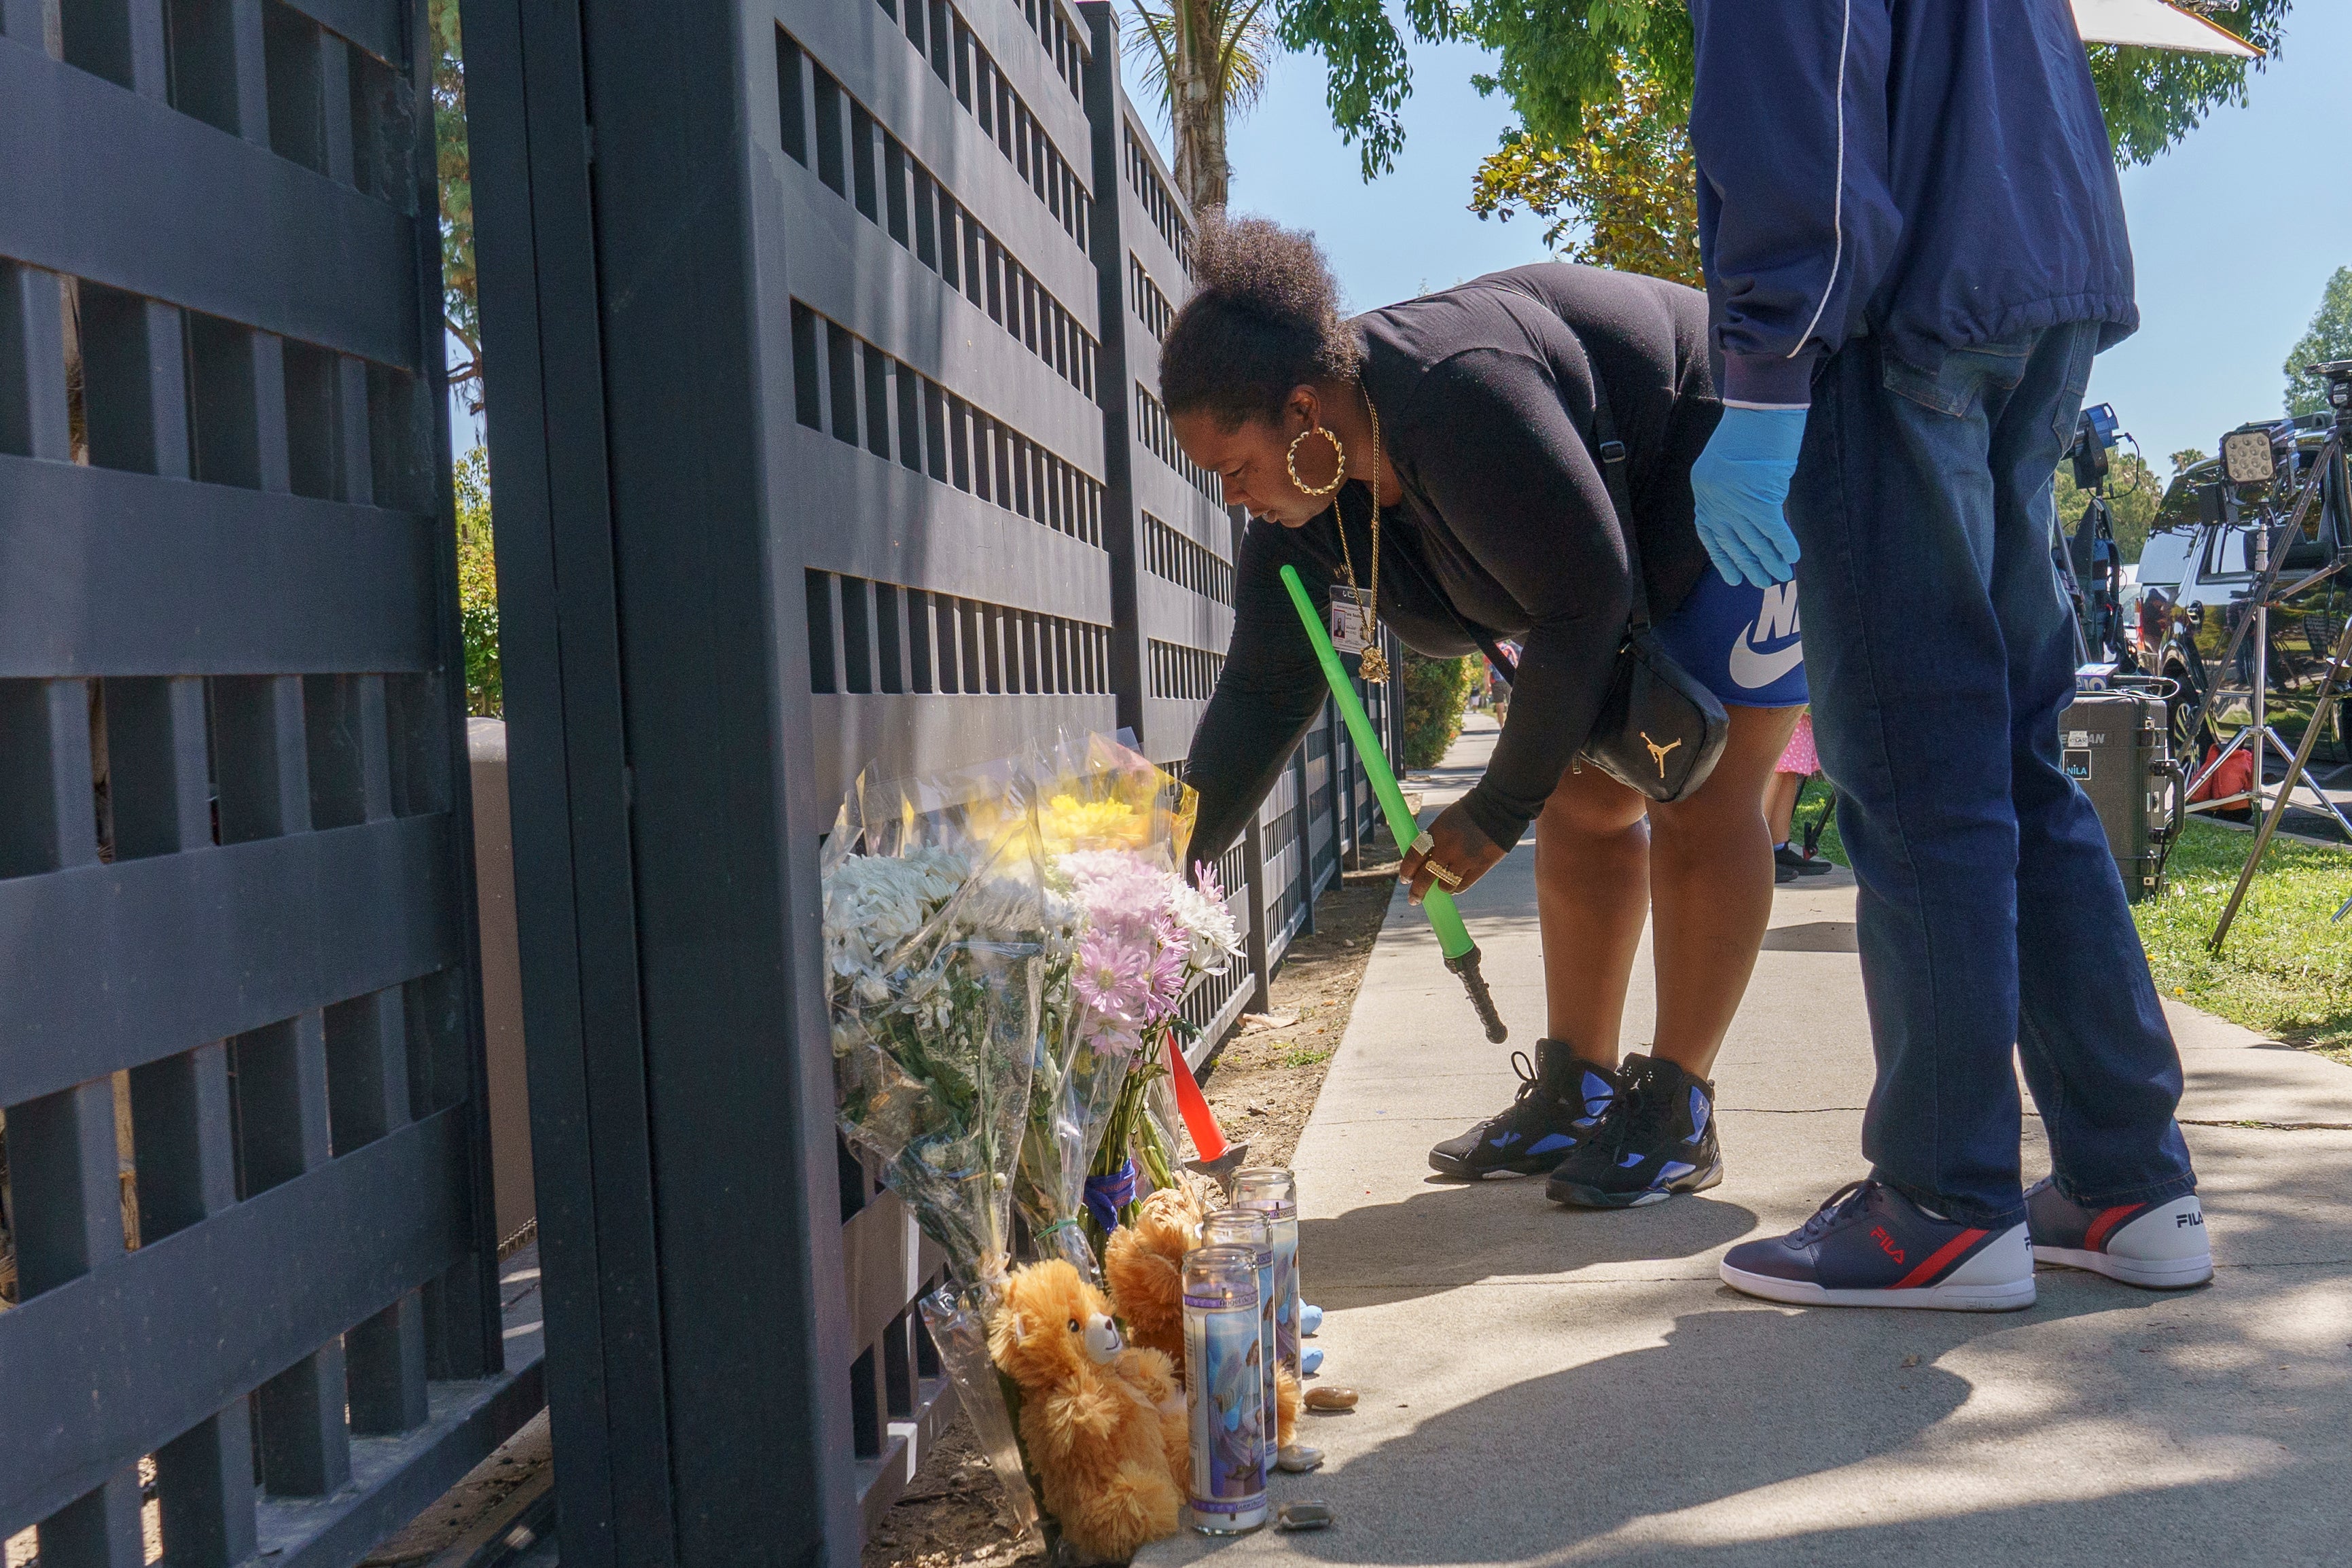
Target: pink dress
(1800,758)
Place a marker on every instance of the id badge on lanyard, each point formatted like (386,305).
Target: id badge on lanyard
(1351,619)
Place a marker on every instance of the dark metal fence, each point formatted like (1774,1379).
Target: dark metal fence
(822,339)
(240,1056)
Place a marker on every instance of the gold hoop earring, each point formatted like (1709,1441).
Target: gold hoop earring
(1338,454)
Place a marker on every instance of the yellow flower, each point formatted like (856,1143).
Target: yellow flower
(1073,824)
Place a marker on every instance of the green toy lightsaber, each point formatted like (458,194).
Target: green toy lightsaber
(1452,936)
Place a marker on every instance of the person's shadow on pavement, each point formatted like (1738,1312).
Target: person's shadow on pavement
(1733,1400)
(1455,1234)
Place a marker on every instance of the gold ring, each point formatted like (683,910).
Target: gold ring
(1450,878)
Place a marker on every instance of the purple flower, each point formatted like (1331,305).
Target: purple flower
(1110,978)
(1163,970)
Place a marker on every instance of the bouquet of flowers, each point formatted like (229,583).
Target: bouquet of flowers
(940,934)
(1099,797)
(1148,935)
(1115,828)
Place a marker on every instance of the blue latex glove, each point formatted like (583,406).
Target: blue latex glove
(1741,482)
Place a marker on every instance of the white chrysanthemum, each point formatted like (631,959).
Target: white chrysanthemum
(1215,940)
(874,902)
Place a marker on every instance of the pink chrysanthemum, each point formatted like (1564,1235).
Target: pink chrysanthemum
(1110,978)
(1163,970)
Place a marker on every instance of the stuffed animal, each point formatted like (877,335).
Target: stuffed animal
(1102,1420)
(1144,1263)
(1145,1266)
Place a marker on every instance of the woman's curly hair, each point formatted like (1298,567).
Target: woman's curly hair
(1263,318)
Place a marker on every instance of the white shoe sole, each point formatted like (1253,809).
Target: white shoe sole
(2003,1296)
(2148,1274)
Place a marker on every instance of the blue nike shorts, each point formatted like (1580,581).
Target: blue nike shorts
(1740,642)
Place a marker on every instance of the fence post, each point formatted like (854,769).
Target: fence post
(1305,821)
(1256,944)
(660,722)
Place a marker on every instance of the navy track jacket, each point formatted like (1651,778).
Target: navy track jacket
(1937,171)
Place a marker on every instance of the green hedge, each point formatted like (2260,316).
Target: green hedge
(478,587)
(1435,693)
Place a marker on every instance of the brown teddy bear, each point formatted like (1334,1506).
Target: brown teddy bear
(1102,1420)
(1144,1264)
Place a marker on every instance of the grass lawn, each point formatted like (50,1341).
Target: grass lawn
(2286,972)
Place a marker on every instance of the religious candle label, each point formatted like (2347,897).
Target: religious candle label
(1225,1399)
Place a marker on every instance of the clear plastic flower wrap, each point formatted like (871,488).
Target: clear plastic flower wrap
(1095,797)
(1115,828)
(939,935)
(957,1319)
(941,939)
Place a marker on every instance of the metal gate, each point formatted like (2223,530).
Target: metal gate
(240,1056)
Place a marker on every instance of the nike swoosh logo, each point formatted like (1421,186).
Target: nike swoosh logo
(1756,670)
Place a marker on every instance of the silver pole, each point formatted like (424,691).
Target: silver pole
(2259,727)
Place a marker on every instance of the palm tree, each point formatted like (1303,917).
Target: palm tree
(1209,58)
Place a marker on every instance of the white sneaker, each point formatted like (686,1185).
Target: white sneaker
(2158,1247)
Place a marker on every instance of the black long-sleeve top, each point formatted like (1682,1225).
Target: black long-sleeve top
(1485,393)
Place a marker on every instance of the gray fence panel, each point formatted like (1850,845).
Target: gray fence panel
(181,579)
(875,286)
(660,730)
(145,198)
(947,444)
(240,1052)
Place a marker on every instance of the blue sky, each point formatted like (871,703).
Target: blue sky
(2235,230)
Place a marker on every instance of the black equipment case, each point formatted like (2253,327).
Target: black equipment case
(2117,744)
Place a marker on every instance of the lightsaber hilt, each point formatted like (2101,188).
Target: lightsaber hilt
(1452,936)
(1467,966)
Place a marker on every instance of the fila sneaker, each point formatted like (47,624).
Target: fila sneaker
(1869,1245)
(1560,1102)
(1658,1139)
(2158,1246)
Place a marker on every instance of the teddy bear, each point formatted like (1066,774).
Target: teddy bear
(1144,1264)
(1102,1420)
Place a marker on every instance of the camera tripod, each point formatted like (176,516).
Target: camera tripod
(2258,736)
(2329,462)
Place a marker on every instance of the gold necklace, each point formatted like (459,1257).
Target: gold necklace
(1374,665)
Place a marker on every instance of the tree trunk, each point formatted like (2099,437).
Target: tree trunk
(1197,106)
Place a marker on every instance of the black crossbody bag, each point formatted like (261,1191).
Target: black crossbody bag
(1659,731)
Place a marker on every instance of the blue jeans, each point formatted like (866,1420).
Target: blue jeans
(1939,650)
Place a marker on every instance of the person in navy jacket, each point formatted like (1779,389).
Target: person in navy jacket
(1914,244)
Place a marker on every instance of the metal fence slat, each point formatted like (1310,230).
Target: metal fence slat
(196,578)
(33,408)
(373,24)
(204,1489)
(100,1529)
(63,1186)
(109,966)
(149,200)
(126,1358)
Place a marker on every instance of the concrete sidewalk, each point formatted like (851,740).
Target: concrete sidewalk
(1547,1385)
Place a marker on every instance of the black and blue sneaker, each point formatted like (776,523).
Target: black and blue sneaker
(1869,1245)
(1561,1100)
(1657,1140)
